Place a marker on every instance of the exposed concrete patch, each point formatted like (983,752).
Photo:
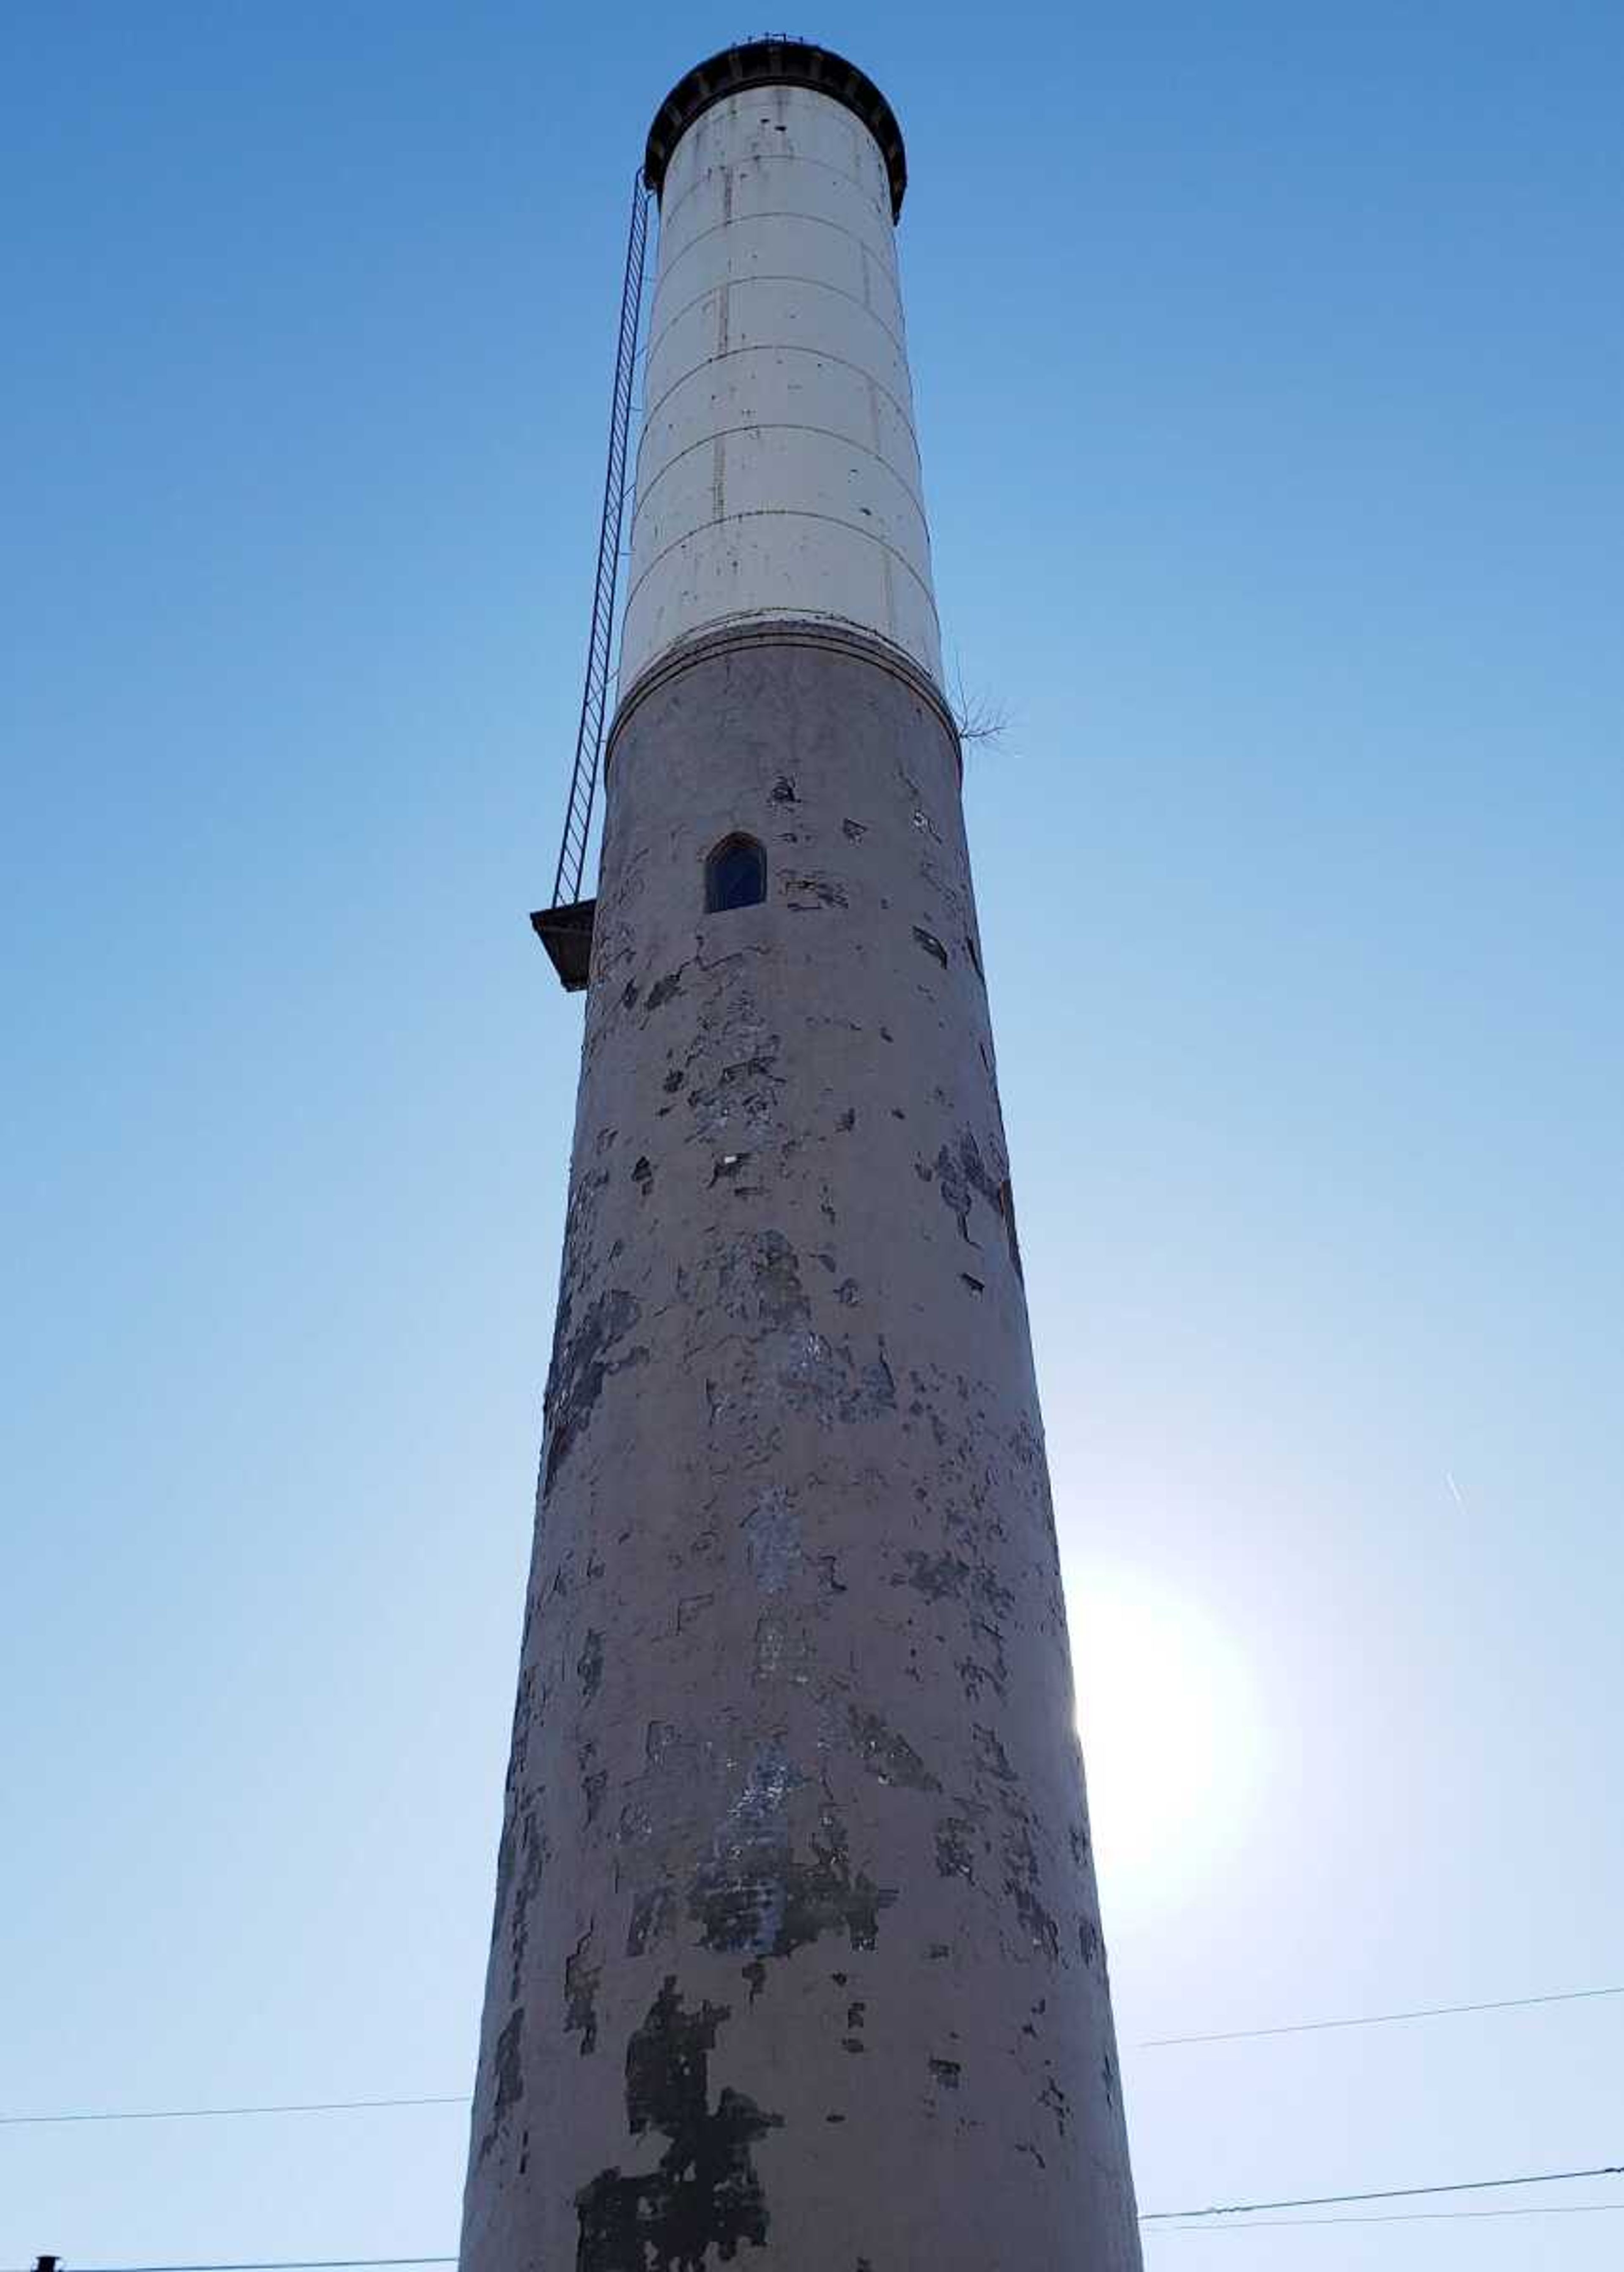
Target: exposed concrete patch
(753,1896)
(772,1540)
(705,2193)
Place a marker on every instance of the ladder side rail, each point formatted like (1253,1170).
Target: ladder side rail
(589,736)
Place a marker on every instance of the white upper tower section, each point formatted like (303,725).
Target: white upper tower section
(778,475)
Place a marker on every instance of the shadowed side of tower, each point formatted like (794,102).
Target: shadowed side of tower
(797,1944)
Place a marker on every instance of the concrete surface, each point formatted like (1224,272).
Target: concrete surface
(778,473)
(797,1949)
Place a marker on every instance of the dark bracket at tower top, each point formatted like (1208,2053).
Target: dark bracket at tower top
(775,60)
(567,935)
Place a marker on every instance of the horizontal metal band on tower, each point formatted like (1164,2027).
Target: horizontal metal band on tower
(813,631)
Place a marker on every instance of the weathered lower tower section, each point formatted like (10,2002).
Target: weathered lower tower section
(797,1947)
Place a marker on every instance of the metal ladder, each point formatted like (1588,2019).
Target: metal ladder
(595,698)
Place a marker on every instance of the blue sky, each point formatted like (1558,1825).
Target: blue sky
(1268,362)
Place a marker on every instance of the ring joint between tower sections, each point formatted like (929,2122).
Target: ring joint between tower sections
(802,631)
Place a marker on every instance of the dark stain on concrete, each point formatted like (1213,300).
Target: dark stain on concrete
(581,1978)
(954,1858)
(643,1175)
(949,1577)
(510,2078)
(581,1364)
(962,1175)
(705,2194)
(753,1895)
(804,895)
(663,990)
(653,1912)
(589,1665)
(992,1755)
(936,1576)
(1006,1207)
(1021,1885)
(890,1758)
(761,1282)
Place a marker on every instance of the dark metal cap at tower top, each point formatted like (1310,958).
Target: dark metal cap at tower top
(775,62)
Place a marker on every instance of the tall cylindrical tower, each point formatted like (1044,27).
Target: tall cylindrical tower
(796,1943)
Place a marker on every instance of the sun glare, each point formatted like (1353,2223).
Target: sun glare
(1172,1737)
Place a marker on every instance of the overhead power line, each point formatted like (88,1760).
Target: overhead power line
(1380,2019)
(1404,2216)
(203,2113)
(461,2098)
(1389,2192)
(295,2264)
(1176,2221)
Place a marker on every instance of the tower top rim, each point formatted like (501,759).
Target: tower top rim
(775,62)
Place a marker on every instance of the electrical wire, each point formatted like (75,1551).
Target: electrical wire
(200,2113)
(297,2264)
(1403,2192)
(1406,2217)
(1277,2224)
(1380,2019)
(1389,2193)
(1154,2044)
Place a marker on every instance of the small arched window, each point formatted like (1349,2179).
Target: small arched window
(736,875)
